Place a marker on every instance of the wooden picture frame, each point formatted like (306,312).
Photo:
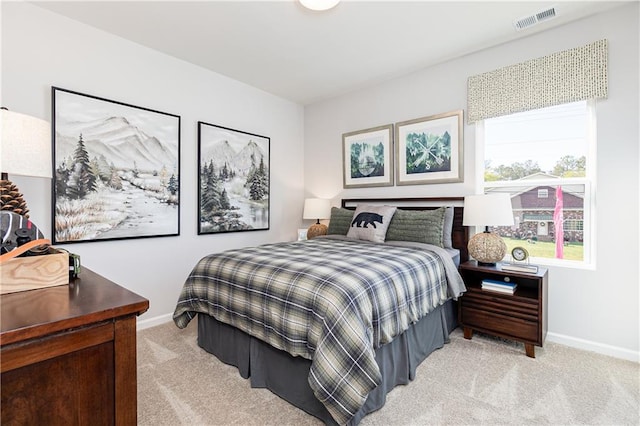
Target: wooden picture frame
(430,149)
(117,170)
(233,177)
(368,157)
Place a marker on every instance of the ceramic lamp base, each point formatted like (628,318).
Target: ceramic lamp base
(487,248)
(315,230)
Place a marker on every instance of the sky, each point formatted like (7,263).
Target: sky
(542,135)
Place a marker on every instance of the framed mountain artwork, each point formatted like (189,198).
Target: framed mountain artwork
(233,171)
(117,170)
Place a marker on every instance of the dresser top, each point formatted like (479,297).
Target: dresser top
(88,299)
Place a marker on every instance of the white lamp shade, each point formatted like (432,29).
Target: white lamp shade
(319,4)
(25,145)
(488,210)
(316,208)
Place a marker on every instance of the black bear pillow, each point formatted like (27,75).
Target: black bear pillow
(370,223)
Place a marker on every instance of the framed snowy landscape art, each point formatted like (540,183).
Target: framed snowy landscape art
(233,174)
(117,170)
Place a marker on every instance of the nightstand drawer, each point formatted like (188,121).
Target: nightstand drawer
(507,325)
(518,307)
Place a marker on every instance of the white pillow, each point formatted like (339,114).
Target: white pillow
(370,223)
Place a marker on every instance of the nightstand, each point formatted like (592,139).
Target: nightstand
(521,316)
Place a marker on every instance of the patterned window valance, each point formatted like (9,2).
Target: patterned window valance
(568,76)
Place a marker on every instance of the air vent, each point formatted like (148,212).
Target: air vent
(529,21)
(546,14)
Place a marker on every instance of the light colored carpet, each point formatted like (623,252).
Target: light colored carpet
(483,381)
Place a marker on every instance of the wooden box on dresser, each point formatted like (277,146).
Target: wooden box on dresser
(521,316)
(68,354)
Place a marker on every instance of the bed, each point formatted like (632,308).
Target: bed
(333,324)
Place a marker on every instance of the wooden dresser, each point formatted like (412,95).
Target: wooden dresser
(68,354)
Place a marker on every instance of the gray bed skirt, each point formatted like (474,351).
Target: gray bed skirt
(286,376)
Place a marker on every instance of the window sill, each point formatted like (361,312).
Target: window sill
(557,263)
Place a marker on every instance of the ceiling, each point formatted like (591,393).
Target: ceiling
(305,56)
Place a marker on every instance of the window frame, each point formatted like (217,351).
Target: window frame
(589,182)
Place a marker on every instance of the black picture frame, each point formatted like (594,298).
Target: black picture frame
(233,180)
(116,170)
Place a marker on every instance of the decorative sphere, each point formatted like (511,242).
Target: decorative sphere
(487,247)
(315,230)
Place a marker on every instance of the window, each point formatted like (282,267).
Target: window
(573,225)
(545,160)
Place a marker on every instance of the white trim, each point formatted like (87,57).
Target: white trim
(587,184)
(589,230)
(562,263)
(562,339)
(588,345)
(152,322)
(479,156)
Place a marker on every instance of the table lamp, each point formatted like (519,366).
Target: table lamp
(316,208)
(487,210)
(25,149)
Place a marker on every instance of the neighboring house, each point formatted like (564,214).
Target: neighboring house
(533,208)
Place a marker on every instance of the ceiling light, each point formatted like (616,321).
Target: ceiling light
(319,4)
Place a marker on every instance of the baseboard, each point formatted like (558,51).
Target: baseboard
(562,339)
(588,345)
(152,322)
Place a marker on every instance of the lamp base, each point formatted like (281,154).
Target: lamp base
(487,248)
(487,263)
(11,199)
(315,230)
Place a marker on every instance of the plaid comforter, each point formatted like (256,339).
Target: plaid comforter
(331,301)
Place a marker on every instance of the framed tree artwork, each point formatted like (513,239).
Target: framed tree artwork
(430,149)
(368,157)
(117,170)
(233,171)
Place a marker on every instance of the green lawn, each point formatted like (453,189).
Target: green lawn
(572,251)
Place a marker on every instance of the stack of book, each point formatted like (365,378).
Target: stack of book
(500,286)
(519,267)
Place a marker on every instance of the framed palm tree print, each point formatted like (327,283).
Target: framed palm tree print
(368,157)
(430,149)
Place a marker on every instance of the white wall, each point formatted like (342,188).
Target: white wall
(41,49)
(593,309)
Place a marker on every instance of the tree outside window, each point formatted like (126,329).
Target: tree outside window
(542,160)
